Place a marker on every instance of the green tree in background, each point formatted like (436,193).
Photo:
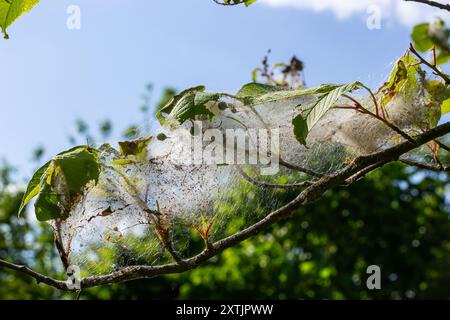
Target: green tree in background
(396,218)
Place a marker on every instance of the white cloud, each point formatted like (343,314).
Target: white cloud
(406,13)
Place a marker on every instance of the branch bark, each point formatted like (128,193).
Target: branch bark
(40,278)
(266,185)
(358,168)
(432,4)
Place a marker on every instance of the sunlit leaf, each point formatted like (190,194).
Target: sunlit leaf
(311,114)
(78,167)
(58,184)
(10,10)
(257,94)
(421,37)
(445,108)
(186,106)
(33,186)
(403,79)
(427,36)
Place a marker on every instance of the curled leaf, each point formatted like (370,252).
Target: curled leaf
(136,148)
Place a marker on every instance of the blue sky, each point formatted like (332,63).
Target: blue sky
(51,75)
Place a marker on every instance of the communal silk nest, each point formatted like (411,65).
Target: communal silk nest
(109,223)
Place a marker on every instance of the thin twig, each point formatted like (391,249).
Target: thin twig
(429,65)
(164,236)
(393,127)
(442,145)
(432,4)
(263,184)
(358,176)
(154,215)
(426,166)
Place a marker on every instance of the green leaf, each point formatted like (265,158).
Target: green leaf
(186,106)
(136,148)
(403,79)
(254,94)
(437,90)
(202,98)
(425,36)
(10,10)
(122,162)
(33,187)
(421,37)
(59,182)
(186,109)
(442,56)
(404,70)
(78,167)
(311,114)
(300,129)
(438,94)
(47,203)
(165,111)
(255,74)
(445,107)
(253,89)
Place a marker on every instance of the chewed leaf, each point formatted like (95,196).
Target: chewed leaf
(403,79)
(78,167)
(11,10)
(136,148)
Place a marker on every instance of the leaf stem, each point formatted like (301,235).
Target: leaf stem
(429,65)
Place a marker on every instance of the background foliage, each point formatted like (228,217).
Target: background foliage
(396,218)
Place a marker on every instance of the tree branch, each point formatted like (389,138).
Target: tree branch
(429,65)
(361,174)
(266,185)
(359,167)
(300,169)
(442,145)
(432,4)
(40,278)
